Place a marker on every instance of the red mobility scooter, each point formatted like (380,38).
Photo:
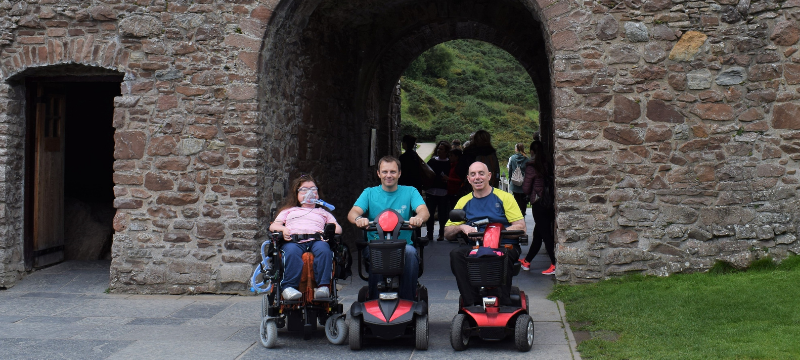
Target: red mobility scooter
(488,268)
(388,317)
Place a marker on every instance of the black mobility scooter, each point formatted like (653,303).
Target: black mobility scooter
(304,313)
(489,269)
(388,317)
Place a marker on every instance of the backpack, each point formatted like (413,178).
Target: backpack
(517,177)
(548,193)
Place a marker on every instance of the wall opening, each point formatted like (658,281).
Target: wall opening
(69,189)
(330,70)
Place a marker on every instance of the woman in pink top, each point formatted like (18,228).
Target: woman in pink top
(302,224)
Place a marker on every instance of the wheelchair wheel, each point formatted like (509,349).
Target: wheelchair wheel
(269,333)
(336,329)
(523,333)
(422,332)
(459,332)
(355,333)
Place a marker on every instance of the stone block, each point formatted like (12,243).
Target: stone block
(726,215)
(636,32)
(140,26)
(688,46)
(607,28)
(699,79)
(658,110)
(129,144)
(785,33)
(208,229)
(714,111)
(786,116)
(623,256)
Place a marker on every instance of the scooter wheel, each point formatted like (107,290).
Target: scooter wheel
(523,333)
(336,329)
(269,333)
(422,332)
(459,332)
(355,333)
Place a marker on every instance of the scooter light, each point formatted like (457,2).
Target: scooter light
(388,296)
(489,301)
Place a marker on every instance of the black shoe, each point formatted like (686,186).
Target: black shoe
(440,238)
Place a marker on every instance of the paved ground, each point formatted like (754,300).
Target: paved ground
(425,149)
(63,312)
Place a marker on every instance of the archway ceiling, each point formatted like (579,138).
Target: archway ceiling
(383,37)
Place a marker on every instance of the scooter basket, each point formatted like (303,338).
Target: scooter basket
(487,271)
(387,258)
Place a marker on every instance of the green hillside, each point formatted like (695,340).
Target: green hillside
(462,86)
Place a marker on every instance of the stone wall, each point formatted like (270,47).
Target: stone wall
(674,125)
(190,169)
(676,135)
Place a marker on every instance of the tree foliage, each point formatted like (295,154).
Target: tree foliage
(462,86)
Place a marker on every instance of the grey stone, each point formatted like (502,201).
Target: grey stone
(654,52)
(626,256)
(636,32)
(216,145)
(191,146)
(140,26)
(170,74)
(700,234)
(699,79)
(732,76)
(746,231)
(785,239)
(190,21)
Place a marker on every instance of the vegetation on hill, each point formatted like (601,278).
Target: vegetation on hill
(462,86)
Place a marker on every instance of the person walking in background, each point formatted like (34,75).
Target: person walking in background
(456,145)
(436,194)
(410,164)
(538,185)
(516,175)
(480,149)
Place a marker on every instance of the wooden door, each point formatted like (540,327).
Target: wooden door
(48,202)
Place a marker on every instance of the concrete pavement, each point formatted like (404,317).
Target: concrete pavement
(63,312)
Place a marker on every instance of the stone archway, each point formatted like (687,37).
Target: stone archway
(330,70)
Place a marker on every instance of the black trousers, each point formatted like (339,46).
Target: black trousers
(470,294)
(439,204)
(522,202)
(542,232)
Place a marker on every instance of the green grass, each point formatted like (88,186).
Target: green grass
(724,314)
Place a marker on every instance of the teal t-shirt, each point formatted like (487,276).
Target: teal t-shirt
(404,200)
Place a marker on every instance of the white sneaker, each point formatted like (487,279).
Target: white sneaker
(291,294)
(322,292)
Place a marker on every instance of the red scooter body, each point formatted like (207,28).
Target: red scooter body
(388,317)
(492,321)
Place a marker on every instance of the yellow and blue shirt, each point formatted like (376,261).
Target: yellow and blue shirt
(499,207)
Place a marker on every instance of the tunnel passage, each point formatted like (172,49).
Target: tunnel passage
(330,71)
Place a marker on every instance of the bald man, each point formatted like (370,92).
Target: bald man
(483,202)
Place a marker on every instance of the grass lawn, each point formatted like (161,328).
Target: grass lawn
(754,314)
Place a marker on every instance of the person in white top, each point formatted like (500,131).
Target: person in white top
(302,224)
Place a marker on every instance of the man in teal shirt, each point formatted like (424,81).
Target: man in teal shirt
(403,199)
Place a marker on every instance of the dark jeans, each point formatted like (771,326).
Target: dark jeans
(522,202)
(408,281)
(443,206)
(542,232)
(293,262)
(470,294)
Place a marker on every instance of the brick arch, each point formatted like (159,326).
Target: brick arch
(33,52)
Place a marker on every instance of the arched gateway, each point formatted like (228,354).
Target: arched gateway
(673,126)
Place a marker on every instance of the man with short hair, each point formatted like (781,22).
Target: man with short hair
(403,199)
(483,202)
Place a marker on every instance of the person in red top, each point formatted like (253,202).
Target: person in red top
(544,215)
